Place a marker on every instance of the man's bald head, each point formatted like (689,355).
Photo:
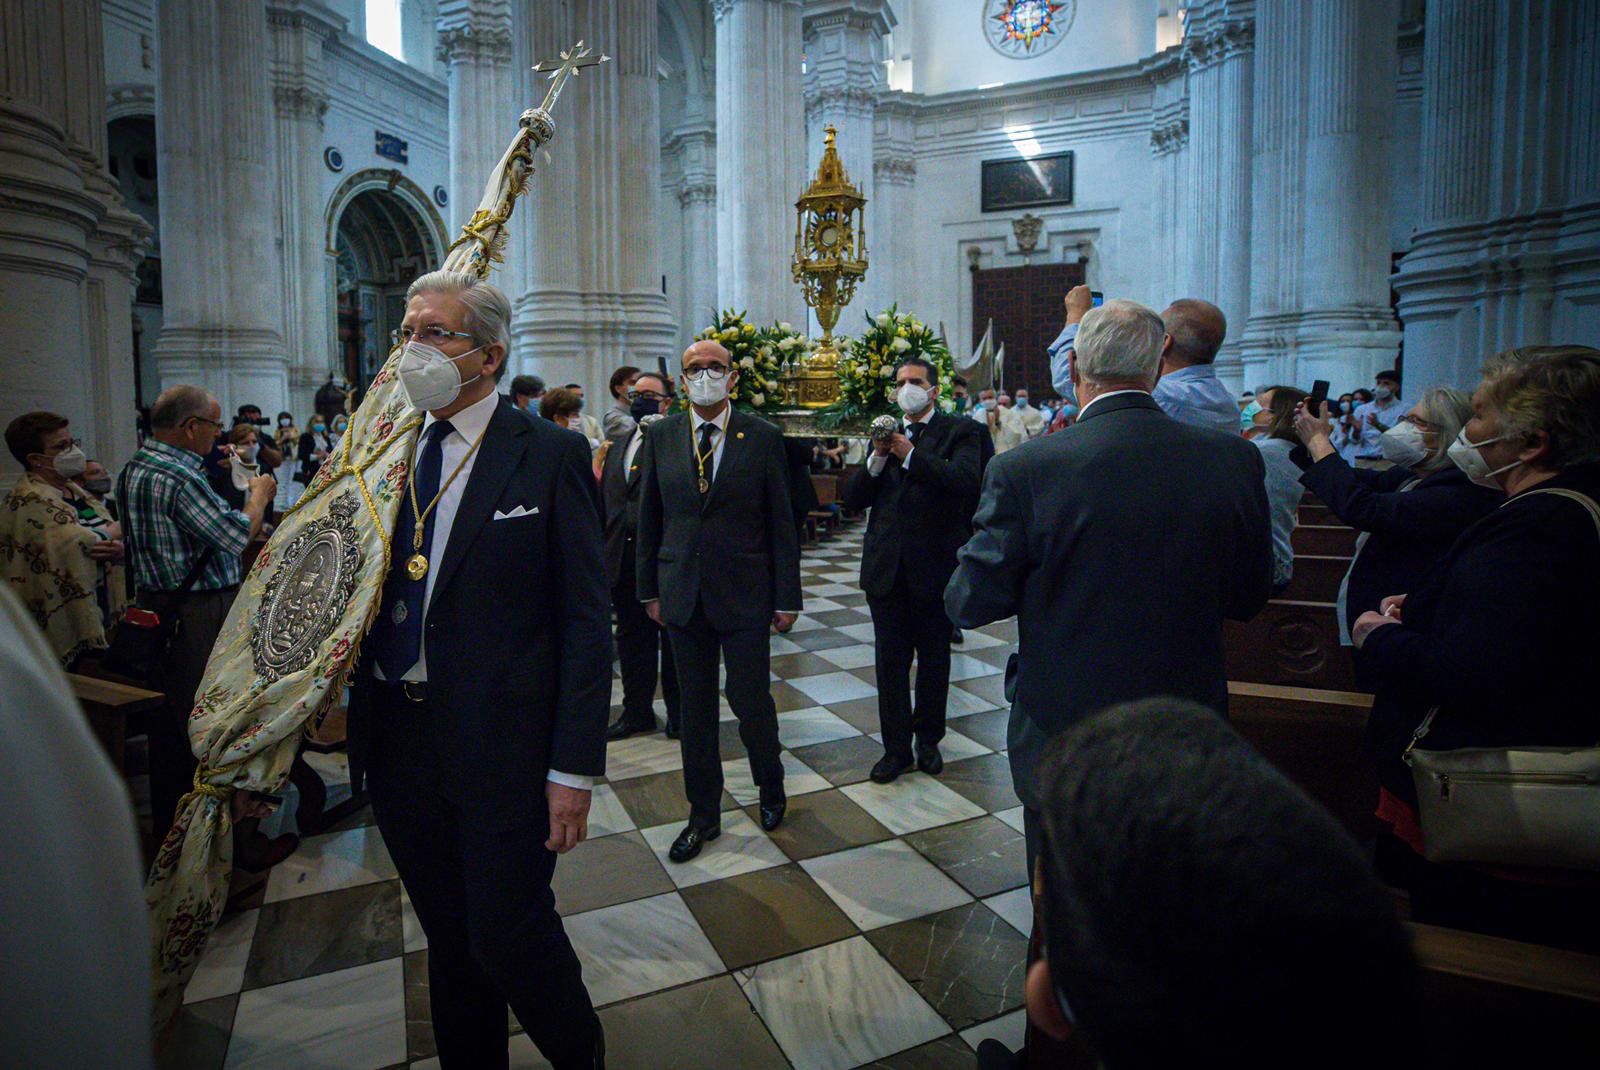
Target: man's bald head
(704,354)
(1195,330)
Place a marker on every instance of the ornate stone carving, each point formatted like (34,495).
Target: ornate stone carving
(1169,136)
(1027,228)
(299,102)
(475,44)
(701,192)
(895,169)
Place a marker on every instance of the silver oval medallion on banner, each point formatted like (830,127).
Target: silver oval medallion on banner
(307,594)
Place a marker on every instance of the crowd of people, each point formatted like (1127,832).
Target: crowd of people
(1121,526)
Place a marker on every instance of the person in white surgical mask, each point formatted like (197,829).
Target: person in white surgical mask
(1408,514)
(1375,417)
(241,462)
(1499,639)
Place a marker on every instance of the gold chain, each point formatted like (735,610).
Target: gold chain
(701,459)
(421,515)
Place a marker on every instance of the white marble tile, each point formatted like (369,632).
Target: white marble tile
(841,576)
(964,703)
(813,724)
(953,747)
(606,813)
(883,883)
(221,969)
(819,605)
(1012,817)
(839,1006)
(850,657)
(639,755)
(742,848)
(798,779)
(335,860)
(828,590)
(411,934)
(784,645)
(333,767)
(973,639)
(352,1019)
(912,803)
(861,633)
(833,687)
(804,623)
(1015,908)
(638,947)
(967,667)
(1008,1029)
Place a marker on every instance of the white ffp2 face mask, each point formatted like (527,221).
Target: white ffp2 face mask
(704,390)
(912,398)
(70,463)
(1403,444)
(429,377)
(1468,456)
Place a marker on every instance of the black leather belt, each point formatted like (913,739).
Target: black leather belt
(406,689)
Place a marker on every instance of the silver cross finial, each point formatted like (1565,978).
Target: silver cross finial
(572,61)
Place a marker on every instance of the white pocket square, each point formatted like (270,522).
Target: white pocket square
(521,510)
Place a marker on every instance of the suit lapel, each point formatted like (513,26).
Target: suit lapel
(497,459)
(631,476)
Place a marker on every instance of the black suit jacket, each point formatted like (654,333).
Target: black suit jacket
(1120,543)
(518,631)
(737,552)
(922,512)
(619,501)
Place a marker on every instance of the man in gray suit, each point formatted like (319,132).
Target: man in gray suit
(1120,544)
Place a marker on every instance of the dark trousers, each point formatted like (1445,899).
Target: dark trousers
(748,656)
(907,623)
(481,889)
(642,645)
(177,675)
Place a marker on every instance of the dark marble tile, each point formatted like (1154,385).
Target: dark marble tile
(728,742)
(419,1012)
(842,761)
(613,869)
(787,698)
(992,655)
(991,689)
(985,855)
(869,674)
(822,822)
(966,962)
(765,915)
(987,728)
(838,618)
(986,780)
(657,798)
(823,639)
(199,1036)
(860,712)
(316,934)
(852,601)
(946,1053)
(791,666)
(705,1024)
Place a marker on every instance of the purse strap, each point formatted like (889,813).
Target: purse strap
(1594,514)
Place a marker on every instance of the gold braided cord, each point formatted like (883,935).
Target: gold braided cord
(487,228)
(345,468)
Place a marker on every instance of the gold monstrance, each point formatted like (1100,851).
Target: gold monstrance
(830,257)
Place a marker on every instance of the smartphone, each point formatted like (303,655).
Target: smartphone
(1318,397)
(1096,298)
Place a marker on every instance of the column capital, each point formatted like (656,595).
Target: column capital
(1220,42)
(299,102)
(474,44)
(874,17)
(721,9)
(701,191)
(895,170)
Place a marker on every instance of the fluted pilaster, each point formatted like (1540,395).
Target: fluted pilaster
(892,213)
(694,150)
(474,46)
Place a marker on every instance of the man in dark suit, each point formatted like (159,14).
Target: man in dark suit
(1120,544)
(921,484)
(642,644)
(478,709)
(719,565)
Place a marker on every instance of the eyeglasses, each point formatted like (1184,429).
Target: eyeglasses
(714,372)
(214,423)
(431,335)
(647,395)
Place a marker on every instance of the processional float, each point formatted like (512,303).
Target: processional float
(290,642)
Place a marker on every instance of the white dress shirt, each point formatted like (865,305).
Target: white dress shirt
(1108,394)
(876,462)
(635,440)
(720,422)
(469,424)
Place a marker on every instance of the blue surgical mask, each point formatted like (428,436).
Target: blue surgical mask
(1247,415)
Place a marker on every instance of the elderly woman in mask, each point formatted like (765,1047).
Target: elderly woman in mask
(1408,515)
(1500,638)
(241,463)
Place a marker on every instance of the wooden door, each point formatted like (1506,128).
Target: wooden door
(1026,305)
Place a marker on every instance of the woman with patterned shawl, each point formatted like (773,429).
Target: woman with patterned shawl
(60,551)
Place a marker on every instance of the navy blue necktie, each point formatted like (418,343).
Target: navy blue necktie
(397,634)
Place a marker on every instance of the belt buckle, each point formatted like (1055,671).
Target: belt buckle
(414,691)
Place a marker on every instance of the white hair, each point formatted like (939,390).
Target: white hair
(488,317)
(1120,343)
(179,403)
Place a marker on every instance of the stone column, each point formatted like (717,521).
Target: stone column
(68,247)
(1220,47)
(475,47)
(694,147)
(300,31)
(1319,304)
(594,300)
(891,214)
(843,42)
(1169,149)
(761,154)
(222,274)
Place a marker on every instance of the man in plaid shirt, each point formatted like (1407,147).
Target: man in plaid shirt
(172,518)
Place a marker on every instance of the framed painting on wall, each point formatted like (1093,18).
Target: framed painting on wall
(1027,182)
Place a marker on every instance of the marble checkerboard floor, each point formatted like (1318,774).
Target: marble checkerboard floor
(880,926)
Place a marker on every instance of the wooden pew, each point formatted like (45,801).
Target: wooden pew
(1291,643)
(826,514)
(1315,738)
(1332,540)
(1489,1001)
(1316,578)
(108,705)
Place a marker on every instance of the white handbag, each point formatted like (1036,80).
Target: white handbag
(1514,806)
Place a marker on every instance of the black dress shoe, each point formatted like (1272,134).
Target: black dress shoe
(773,809)
(889,767)
(993,1055)
(622,728)
(956,638)
(672,729)
(929,760)
(690,840)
